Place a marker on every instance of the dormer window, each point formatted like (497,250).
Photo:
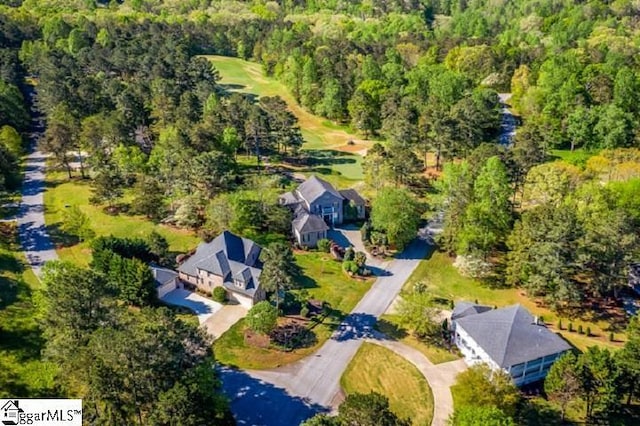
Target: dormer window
(238,283)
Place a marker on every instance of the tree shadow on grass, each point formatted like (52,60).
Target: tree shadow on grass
(391,330)
(61,238)
(255,402)
(304,281)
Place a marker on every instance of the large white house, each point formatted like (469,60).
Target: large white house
(509,338)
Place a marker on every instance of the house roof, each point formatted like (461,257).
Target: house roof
(162,275)
(352,195)
(306,223)
(510,335)
(288,199)
(462,309)
(228,256)
(314,187)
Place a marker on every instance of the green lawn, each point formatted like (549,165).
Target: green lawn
(231,349)
(22,372)
(576,157)
(444,281)
(378,369)
(62,192)
(324,279)
(326,141)
(389,324)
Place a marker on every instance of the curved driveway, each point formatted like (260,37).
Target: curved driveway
(315,380)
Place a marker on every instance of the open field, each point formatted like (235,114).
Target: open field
(323,279)
(377,369)
(22,372)
(62,192)
(444,281)
(327,142)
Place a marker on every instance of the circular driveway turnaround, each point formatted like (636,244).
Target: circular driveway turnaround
(315,380)
(200,305)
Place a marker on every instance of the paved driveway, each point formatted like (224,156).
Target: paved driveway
(316,379)
(222,320)
(201,306)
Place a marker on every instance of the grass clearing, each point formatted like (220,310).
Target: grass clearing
(389,324)
(62,192)
(22,371)
(231,349)
(378,369)
(324,279)
(334,148)
(444,281)
(577,157)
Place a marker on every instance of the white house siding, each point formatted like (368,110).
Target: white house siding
(522,374)
(472,352)
(532,371)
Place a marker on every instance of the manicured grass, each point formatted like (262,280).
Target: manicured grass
(22,371)
(389,324)
(576,157)
(378,369)
(444,281)
(62,192)
(231,349)
(319,133)
(324,279)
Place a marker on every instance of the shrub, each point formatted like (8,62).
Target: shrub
(420,287)
(360,258)
(349,254)
(350,267)
(559,324)
(611,337)
(365,231)
(324,245)
(580,331)
(588,331)
(304,312)
(262,318)
(571,327)
(219,294)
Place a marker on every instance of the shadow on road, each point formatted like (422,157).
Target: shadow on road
(255,402)
(355,326)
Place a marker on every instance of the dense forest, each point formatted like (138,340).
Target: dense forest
(126,90)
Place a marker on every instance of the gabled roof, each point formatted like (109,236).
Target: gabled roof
(463,309)
(306,223)
(223,255)
(314,187)
(288,199)
(162,275)
(510,335)
(352,195)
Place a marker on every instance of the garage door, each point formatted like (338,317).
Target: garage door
(166,288)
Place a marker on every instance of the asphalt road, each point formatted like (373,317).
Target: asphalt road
(34,238)
(313,384)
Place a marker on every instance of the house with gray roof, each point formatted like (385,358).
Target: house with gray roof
(316,205)
(509,338)
(228,261)
(166,280)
